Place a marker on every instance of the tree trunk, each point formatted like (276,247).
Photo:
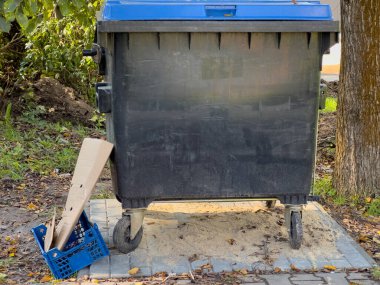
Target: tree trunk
(357,171)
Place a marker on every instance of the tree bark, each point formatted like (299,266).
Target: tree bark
(357,171)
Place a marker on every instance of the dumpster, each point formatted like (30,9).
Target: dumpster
(211,100)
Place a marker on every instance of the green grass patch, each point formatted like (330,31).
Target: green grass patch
(376,273)
(374,210)
(325,189)
(331,104)
(33,145)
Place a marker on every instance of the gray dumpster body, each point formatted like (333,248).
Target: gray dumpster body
(211,109)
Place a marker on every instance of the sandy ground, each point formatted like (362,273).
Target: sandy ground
(238,231)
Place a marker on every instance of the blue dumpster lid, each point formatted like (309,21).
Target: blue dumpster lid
(135,10)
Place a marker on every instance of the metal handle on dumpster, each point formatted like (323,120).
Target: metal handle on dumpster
(220,10)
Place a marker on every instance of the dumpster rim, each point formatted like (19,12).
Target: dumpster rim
(217,26)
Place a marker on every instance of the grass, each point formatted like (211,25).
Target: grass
(103,194)
(376,273)
(325,189)
(33,145)
(331,104)
(4,264)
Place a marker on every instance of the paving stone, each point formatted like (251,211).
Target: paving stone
(113,203)
(220,265)
(83,272)
(357,276)
(358,261)
(97,202)
(120,265)
(282,262)
(345,246)
(261,266)
(305,277)
(197,264)
(333,278)
(366,282)
(97,208)
(249,279)
(241,265)
(98,218)
(319,263)
(301,263)
(308,282)
(278,279)
(114,212)
(170,264)
(340,263)
(144,271)
(100,269)
(140,258)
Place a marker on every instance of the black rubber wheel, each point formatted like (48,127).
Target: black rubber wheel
(296,232)
(122,236)
(270,204)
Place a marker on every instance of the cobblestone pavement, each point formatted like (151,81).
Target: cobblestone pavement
(275,279)
(106,213)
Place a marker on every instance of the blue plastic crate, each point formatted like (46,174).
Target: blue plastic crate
(85,246)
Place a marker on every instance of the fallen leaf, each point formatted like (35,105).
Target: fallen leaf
(31,274)
(294,268)
(243,271)
(95,281)
(330,267)
(206,266)
(376,240)
(21,186)
(12,254)
(8,238)
(3,276)
(138,283)
(133,271)
(368,200)
(231,241)
(46,278)
(362,238)
(277,270)
(32,207)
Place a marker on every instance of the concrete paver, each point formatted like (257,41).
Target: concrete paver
(120,265)
(106,213)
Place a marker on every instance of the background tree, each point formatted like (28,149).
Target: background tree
(357,171)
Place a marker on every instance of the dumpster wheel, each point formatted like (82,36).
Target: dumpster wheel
(295,231)
(122,235)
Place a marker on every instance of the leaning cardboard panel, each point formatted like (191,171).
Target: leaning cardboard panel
(92,158)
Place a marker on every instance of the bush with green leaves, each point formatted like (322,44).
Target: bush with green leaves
(56,32)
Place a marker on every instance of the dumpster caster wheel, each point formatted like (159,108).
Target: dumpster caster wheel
(295,231)
(122,236)
(270,204)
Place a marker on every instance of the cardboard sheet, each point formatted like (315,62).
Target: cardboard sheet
(50,233)
(92,158)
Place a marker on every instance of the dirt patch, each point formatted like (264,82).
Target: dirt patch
(61,102)
(23,206)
